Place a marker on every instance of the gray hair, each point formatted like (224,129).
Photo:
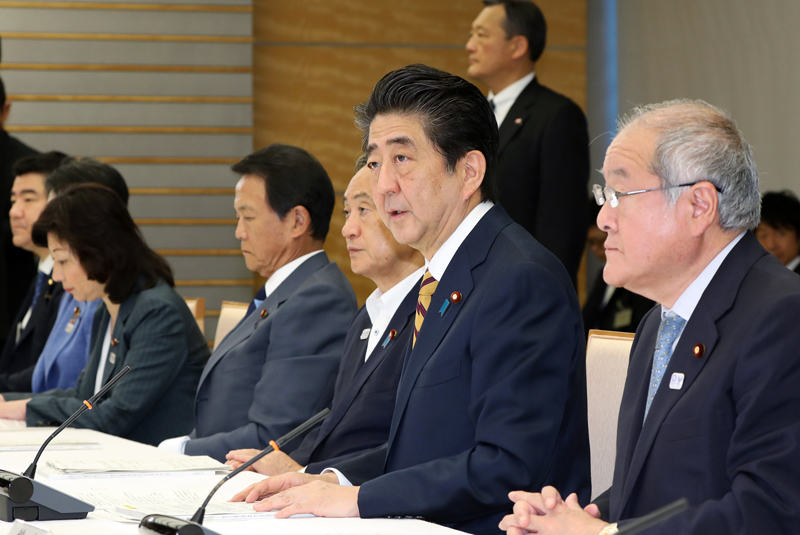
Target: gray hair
(700,142)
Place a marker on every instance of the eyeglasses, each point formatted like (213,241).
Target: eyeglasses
(601,194)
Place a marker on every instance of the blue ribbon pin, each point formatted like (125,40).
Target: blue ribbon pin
(444,307)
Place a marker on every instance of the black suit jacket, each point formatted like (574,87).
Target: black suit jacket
(543,168)
(623,312)
(17,266)
(18,359)
(363,399)
(728,438)
(492,397)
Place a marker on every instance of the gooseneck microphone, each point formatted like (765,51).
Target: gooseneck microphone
(656,517)
(23,498)
(87,406)
(167,525)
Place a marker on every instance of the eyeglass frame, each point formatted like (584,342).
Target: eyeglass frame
(601,195)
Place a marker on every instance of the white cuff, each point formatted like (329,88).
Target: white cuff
(343,481)
(177,444)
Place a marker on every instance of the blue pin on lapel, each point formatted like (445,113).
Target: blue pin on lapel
(444,307)
(392,335)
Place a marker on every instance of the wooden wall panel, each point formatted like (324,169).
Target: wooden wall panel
(419,22)
(315,60)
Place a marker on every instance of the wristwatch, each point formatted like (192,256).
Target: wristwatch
(610,529)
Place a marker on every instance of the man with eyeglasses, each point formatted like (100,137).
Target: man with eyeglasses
(711,410)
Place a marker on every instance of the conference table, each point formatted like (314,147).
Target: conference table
(106,523)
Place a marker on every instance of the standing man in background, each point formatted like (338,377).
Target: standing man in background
(17,266)
(543,160)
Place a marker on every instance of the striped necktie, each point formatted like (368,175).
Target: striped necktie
(426,290)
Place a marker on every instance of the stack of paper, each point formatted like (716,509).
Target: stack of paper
(24,442)
(178,465)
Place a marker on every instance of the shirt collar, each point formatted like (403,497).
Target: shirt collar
(438,264)
(687,302)
(46,264)
(282,273)
(793,263)
(506,98)
(380,304)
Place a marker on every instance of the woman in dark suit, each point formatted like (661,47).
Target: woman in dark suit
(143,323)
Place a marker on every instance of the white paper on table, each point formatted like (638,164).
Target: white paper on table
(176,463)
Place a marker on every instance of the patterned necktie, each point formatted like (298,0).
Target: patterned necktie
(41,280)
(671,327)
(426,290)
(261,294)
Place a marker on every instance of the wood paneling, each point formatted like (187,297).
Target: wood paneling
(416,23)
(315,60)
(123,6)
(129,98)
(128,37)
(120,67)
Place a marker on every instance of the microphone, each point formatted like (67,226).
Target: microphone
(656,517)
(23,498)
(168,525)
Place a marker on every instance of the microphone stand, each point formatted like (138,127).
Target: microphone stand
(21,497)
(163,524)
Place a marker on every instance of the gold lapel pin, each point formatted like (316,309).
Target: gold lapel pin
(699,350)
(264,313)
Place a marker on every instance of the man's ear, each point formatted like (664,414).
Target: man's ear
(300,221)
(474,171)
(520,47)
(705,206)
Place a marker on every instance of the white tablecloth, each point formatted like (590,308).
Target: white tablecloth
(96,524)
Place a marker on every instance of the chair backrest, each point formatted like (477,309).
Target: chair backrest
(607,356)
(197,306)
(230,314)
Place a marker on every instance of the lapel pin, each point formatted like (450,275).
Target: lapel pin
(699,350)
(676,381)
(518,120)
(264,313)
(114,342)
(392,335)
(455,297)
(444,307)
(365,334)
(112,358)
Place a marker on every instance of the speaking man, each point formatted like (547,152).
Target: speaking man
(376,343)
(710,410)
(277,367)
(493,390)
(543,159)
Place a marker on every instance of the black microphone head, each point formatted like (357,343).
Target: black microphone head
(168,525)
(19,488)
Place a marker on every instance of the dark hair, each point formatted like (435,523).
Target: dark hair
(86,170)
(592,211)
(781,210)
(293,177)
(42,164)
(455,115)
(524,18)
(2,93)
(361,161)
(93,221)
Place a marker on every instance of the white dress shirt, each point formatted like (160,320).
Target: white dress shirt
(101,368)
(793,263)
(382,306)
(506,98)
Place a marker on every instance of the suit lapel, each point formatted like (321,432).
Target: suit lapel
(701,328)
(518,114)
(245,328)
(401,321)
(457,277)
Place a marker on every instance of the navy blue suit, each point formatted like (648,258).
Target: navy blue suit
(727,440)
(273,372)
(493,396)
(363,399)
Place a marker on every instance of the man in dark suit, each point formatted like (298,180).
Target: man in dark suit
(779,229)
(543,159)
(278,366)
(493,390)
(363,399)
(710,410)
(17,266)
(35,318)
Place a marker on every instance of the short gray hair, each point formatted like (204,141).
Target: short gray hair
(700,142)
